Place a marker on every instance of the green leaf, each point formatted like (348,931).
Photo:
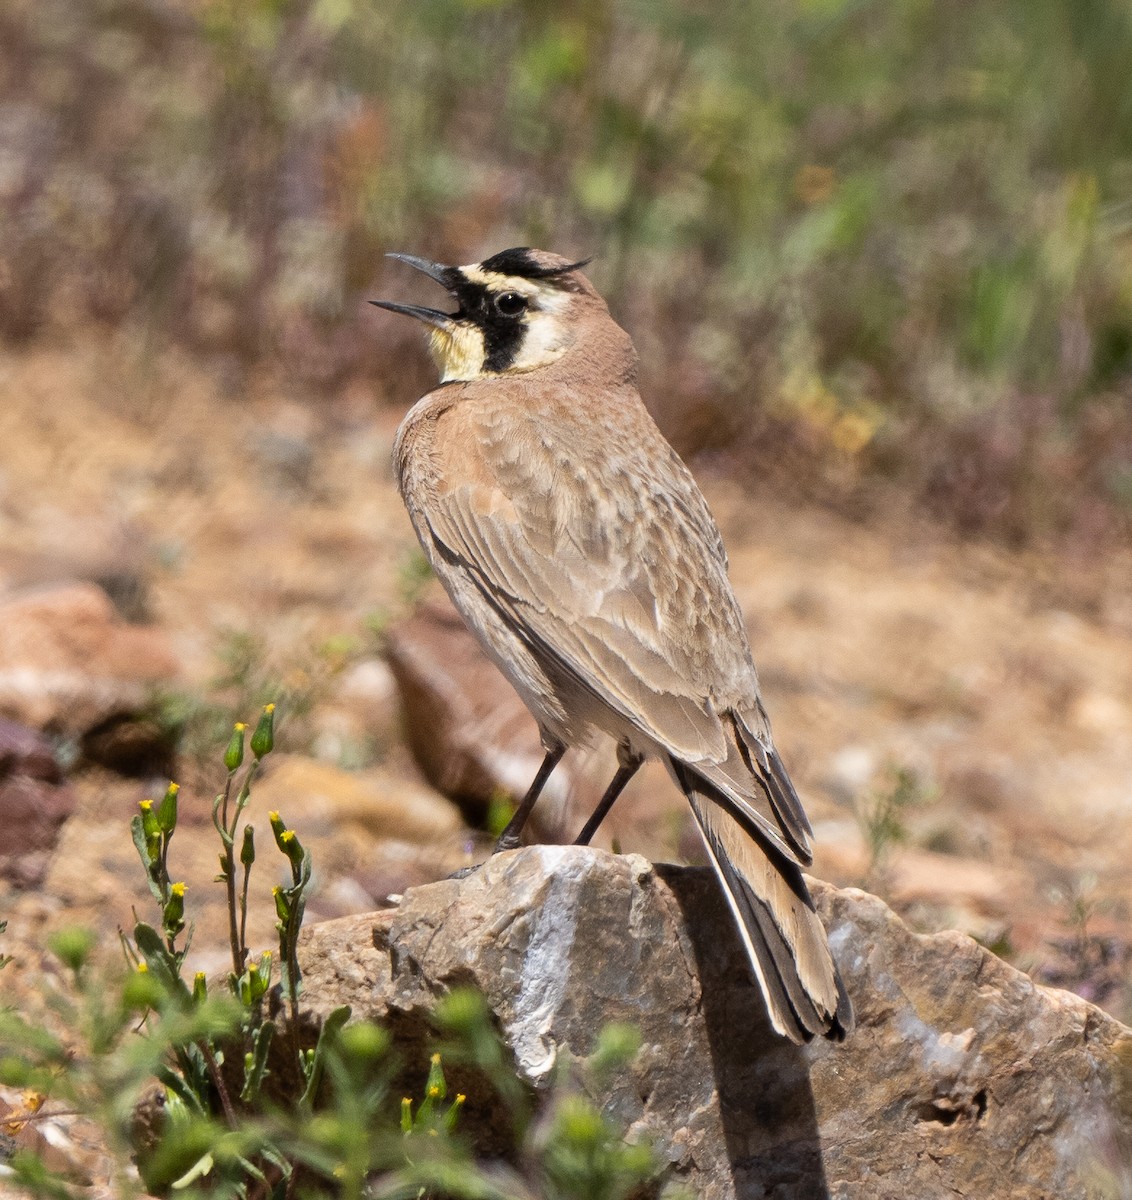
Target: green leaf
(198,1170)
(253,1077)
(165,967)
(141,843)
(326,1035)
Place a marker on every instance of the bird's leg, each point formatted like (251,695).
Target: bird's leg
(509,838)
(630,763)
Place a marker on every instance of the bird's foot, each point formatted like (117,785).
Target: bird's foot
(464,872)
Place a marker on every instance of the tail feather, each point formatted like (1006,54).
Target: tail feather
(769,770)
(753,785)
(784,938)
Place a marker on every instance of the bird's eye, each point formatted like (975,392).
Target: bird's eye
(510,304)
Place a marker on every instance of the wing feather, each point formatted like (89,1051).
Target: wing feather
(614,572)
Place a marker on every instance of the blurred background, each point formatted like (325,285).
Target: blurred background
(877,259)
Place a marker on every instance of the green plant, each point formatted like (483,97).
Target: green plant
(882,817)
(209,1051)
(203,1087)
(189,1080)
(500,810)
(100,1067)
(582,1152)
(247,676)
(413,577)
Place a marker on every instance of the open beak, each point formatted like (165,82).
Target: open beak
(430,316)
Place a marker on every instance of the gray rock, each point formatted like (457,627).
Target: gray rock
(963,1078)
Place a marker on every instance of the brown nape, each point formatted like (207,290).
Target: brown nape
(575,281)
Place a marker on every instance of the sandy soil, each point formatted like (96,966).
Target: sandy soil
(998,687)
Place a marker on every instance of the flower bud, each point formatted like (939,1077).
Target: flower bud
(173,915)
(291,846)
(436,1087)
(72,945)
(264,737)
(363,1042)
(141,991)
(149,820)
(454,1111)
(234,755)
(167,809)
(247,850)
(259,979)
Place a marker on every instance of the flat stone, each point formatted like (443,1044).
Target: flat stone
(382,805)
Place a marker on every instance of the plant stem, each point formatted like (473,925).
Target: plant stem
(244,912)
(218,1082)
(227,836)
(163,867)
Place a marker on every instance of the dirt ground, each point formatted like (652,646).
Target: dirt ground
(984,697)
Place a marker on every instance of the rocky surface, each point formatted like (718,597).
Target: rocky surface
(963,1077)
(370,834)
(999,682)
(474,740)
(469,731)
(35,800)
(375,802)
(70,664)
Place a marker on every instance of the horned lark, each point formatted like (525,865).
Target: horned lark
(582,554)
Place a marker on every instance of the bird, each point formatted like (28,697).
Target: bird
(583,556)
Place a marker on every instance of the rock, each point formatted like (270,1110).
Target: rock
(35,800)
(361,717)
(474,740)
(315,793)
(68,663)
(917,875)
(136,746)
(962,1078)
(25,751)
(386,870)
(369,686)
(466,726)
(51,1138)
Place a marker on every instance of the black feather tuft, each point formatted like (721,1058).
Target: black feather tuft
(520,261)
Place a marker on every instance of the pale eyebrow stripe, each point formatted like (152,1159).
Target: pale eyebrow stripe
(496,282)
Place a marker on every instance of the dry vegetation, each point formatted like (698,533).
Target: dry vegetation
(867,250)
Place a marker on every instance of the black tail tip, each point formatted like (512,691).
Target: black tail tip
(844,1019)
